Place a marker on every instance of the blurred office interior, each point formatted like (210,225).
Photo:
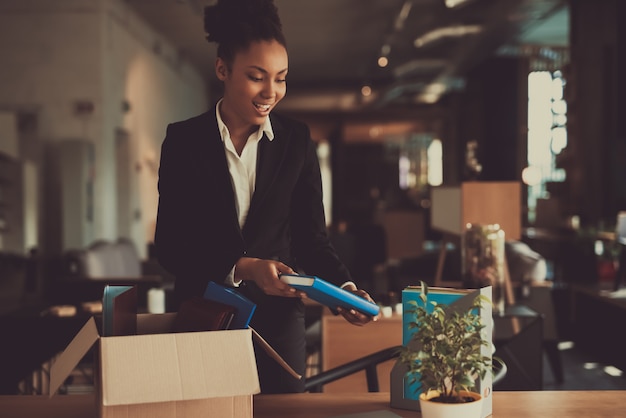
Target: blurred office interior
(402,97)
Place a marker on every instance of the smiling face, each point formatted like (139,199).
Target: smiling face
(253,84)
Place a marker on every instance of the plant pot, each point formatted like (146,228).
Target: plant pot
(432,409)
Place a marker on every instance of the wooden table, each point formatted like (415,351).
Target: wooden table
(561,404)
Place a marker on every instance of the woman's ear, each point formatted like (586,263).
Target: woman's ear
(220,69)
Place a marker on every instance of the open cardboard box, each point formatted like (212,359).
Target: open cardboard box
(161,374)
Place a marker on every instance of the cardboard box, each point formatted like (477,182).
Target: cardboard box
(404,395)
(161,374)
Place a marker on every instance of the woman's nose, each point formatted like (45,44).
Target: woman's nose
(269,90)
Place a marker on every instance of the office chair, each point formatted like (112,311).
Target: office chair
(367,363)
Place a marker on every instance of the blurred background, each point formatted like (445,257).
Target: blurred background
(403,97)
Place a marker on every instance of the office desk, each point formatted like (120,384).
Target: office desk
(598,318)
(30,340)
(562,404)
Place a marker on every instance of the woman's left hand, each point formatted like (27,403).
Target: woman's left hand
(355,317)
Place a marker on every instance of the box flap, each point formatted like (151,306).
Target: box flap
(75,351)
(273,354)
(174,367)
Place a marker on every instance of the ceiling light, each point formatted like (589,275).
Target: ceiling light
(531,175)
(454,3)
(382,62)
(432,93)
(447,32)
(366,91)
(613,371)
(428,98)
(404,13)
(419,66)
(436,88)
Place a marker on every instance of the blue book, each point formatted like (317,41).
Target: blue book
(119,310)
(443,296)
(229,296)
(330,295)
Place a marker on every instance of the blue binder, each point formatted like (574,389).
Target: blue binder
(229,296)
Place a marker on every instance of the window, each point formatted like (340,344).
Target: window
(547,134)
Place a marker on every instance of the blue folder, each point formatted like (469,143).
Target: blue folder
(229,296)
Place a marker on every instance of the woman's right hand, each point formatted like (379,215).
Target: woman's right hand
(266,273)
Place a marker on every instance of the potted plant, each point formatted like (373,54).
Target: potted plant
(444,355)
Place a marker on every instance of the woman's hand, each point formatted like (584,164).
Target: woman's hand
(355,317)
(265,273)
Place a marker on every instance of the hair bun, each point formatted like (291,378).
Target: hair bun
(228,17)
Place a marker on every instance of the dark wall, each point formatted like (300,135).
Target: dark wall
(492,114)
(596,96)
(363,174)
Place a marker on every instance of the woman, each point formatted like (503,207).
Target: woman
(240,197)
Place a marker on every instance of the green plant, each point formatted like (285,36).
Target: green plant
(445,351)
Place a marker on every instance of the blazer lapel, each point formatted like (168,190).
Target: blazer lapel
(269,158)
(212,162)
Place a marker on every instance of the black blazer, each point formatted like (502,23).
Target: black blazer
(197,233)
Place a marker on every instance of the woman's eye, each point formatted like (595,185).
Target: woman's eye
(281,81)
(256,79)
